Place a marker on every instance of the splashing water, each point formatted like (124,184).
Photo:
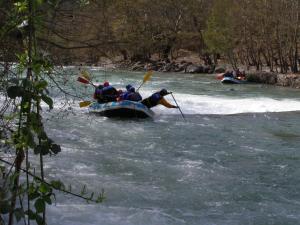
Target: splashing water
(234,161)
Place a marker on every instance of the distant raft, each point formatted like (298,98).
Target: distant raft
(122,109)
(231,80)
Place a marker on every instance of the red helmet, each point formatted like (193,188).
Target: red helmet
(106,83)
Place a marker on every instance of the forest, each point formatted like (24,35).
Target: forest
(259,33)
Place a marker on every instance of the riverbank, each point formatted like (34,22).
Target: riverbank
(271,78)
(191,63)
(166,65)
(285,80)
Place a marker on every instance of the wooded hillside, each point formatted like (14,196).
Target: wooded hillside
(252,33)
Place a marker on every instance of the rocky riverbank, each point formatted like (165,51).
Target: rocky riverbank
(271,78)
(285,80)
(170,66)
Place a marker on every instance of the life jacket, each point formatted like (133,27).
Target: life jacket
(98,94)
(134,96)
(131,96)
(109,94)
(153,100)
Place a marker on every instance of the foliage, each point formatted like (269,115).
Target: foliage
(22,126)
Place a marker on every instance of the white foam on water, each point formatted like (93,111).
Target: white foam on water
(202,104)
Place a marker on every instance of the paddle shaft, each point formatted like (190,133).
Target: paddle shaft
(177,106)
(146,78)
(140,87)
(92,84)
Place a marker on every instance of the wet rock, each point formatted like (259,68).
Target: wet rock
(220,70)
(194,69)
(207,69)
(169,67)
(262,77)
(138,66)
(288,80)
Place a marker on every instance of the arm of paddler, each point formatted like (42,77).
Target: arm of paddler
(165,103)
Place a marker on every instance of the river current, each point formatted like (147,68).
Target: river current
(235,160)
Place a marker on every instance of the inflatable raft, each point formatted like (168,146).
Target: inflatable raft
(123,109)
(231,80)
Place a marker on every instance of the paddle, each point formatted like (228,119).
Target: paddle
(86,75)
(177,106)
(84,104)
(85,81)
(147,77)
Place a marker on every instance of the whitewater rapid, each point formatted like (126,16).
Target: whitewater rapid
(213,105)
(202,104)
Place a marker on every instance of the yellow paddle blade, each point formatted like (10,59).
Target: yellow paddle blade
(84,104)
(147,76)
(86,75)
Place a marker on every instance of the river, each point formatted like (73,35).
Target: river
(235,160)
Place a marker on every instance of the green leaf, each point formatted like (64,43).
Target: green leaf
(43,135)
(44,188)
(39,220)
(40,205)
(55,148)
(35,121)
(39,2)
(45,149)
(41,85)
(33,196)
(21,6)
(28,137)
(4,207)
(32,215)
(37,150)
(47,199)
(48,101)
(57,184)
(19,214)
(14,91)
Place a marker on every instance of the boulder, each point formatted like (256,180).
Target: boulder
(169,67)
(194,69)
(138,66)
(262,77)
(220,70)
(288,80)
(207,69)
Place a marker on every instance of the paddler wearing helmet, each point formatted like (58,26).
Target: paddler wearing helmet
(130,94)
(158,98)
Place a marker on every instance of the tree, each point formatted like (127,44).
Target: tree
(219,35)
(22,127)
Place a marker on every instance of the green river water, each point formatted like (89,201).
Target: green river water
(235,160)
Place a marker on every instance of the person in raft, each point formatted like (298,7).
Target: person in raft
(106,93)
(130,94)
(98,94)
(158,98)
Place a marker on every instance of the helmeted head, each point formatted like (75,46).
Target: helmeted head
(163,92)
(100,86)
(128,86)
(106,84)
(132,89)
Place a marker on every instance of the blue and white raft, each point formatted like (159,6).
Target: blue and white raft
(231,80)
(122,109)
